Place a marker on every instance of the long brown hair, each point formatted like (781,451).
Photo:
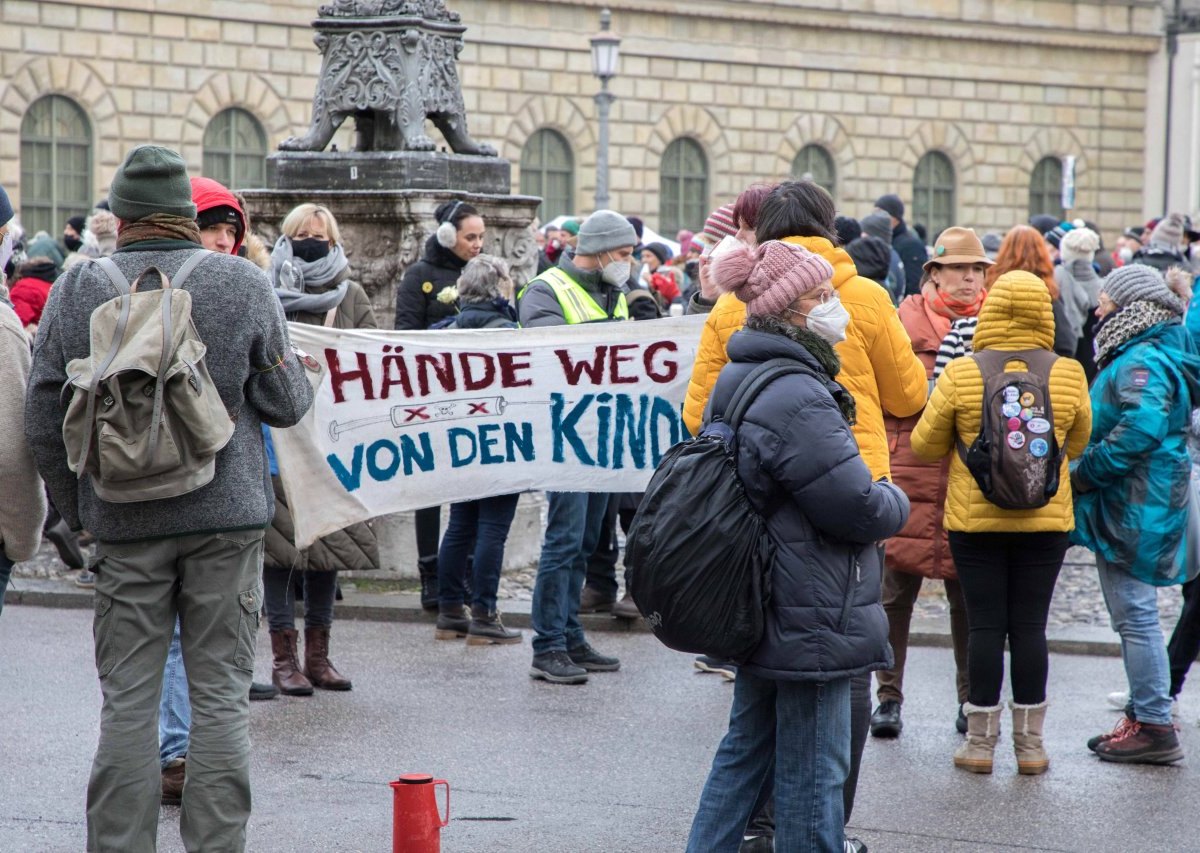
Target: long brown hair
(1024,248)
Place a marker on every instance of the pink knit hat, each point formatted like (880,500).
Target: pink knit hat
(771,276)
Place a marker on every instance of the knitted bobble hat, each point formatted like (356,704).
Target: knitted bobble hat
(1080,243)
(1140,283)
(719,224)
(1169,231)
(771,276)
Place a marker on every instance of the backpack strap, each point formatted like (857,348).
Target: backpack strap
(118,336)
(755,383)
(118,279)
(188,266)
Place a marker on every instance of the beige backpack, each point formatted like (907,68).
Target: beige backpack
(145,421)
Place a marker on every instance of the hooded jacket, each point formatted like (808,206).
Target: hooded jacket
(802,469)
(30,292)
(417,305)
(1137,469)
(878,364)
(1016,316)
(912,254)
(207,194)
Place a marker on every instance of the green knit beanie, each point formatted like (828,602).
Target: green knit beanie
(152,179)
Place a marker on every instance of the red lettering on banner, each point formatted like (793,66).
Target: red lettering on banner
(615,360)
(487,376)
(340,377)
(670,367)
(574,370)
(443,369)
(509,367)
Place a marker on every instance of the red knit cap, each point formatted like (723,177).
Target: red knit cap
(719,224)
(770,277)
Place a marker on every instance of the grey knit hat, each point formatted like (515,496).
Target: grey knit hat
(878,225)
(1169,231)
(604,231)
(1139,283)
(152,179)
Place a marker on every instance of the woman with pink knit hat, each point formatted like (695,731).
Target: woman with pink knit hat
(789,728)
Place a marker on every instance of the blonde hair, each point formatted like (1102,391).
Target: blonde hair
(298,218)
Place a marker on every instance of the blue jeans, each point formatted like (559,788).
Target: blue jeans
(486,522)
(572,530)
(175,709)
(804,729)
(1133,607)
(6,567)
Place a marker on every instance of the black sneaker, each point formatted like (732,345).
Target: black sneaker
(885,722)
(260,692)
(757,844)
(557,668)
(854,845)
(591,660)
(960,722)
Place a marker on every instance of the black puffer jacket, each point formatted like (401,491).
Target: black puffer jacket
(796,452)
(417,305)
(912,254)
(486,315)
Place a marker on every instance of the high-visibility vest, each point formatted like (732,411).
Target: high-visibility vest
(578,306)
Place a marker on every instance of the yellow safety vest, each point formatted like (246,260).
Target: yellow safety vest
(578,306)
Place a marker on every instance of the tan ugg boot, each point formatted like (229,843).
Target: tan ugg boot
(1027,722)
(983,726)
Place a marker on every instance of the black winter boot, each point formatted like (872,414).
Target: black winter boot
(452,622)
(428,569)
(486,628)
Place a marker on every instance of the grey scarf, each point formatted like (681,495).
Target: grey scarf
(294,279)
(1079,287)
(1128,323)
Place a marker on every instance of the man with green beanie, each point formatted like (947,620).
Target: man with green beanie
(586,288)
(196,555)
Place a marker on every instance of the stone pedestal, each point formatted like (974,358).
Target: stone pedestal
(386,170)
(384,231)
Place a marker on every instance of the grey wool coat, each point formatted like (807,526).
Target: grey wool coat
(257,374)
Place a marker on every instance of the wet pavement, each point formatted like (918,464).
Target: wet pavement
(613,766)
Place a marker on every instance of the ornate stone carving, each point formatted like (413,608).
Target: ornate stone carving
(390,64)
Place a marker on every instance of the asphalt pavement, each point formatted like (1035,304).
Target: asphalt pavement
(613,766)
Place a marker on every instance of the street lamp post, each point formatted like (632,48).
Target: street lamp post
(606,52)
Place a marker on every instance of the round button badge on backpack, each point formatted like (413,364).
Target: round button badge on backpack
(1016,440)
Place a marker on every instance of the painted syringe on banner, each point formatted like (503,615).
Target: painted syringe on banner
(422,414)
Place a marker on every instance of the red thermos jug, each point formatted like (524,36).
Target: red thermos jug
(416,823)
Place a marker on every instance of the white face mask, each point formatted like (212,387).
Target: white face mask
(616,273)
(6,253)
(1125,254)
(829,320)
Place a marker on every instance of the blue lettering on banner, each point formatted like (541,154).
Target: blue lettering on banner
(486,442)
(518,442)
(384,459)
(615,443)
(563,428)
(459,457)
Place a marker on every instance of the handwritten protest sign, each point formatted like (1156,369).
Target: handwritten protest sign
(404,420)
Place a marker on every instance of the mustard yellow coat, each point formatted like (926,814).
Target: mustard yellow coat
(879,366)
(1016,316)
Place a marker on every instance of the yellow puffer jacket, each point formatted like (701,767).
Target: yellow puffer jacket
(1016,316)
(878,365)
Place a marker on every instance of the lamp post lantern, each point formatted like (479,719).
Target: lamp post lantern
(606,53)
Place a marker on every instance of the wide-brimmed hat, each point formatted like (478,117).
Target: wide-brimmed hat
(958,245)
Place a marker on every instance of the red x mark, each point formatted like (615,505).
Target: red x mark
(414,414)
(478,409)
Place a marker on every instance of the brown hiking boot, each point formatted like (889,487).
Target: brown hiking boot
(625,608)
(983,727)
(285,668)
(1120,731)
(1142,743)
(172,782)
(452,622)
(592,600)
(317,666)
(1027,723)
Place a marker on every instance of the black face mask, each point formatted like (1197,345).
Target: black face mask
(310,249)
(72,243)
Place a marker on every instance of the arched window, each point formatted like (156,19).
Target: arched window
(934,193)
(56,164)
(814,163)
(235,149)
(548,170)
(1045,188)
(683,187)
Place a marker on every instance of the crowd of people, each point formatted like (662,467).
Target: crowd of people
(928,374)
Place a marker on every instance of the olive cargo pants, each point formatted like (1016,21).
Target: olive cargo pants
(213,582)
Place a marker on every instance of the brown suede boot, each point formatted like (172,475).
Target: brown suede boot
(285,670)
(317,665)
(983,726)
(1027,722)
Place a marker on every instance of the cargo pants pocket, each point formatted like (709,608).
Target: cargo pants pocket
(104,635)
(250,604)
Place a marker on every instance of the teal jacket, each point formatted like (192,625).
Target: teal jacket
(1136,467)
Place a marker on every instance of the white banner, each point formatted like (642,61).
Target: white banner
(404,420)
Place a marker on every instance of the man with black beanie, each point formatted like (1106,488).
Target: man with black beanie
(907,245)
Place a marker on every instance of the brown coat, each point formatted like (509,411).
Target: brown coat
(354,548)
(921,547)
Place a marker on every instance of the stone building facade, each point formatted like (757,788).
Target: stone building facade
(973,101)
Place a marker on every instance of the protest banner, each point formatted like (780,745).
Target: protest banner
(404,420)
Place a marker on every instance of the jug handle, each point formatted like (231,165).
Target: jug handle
(436,782)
